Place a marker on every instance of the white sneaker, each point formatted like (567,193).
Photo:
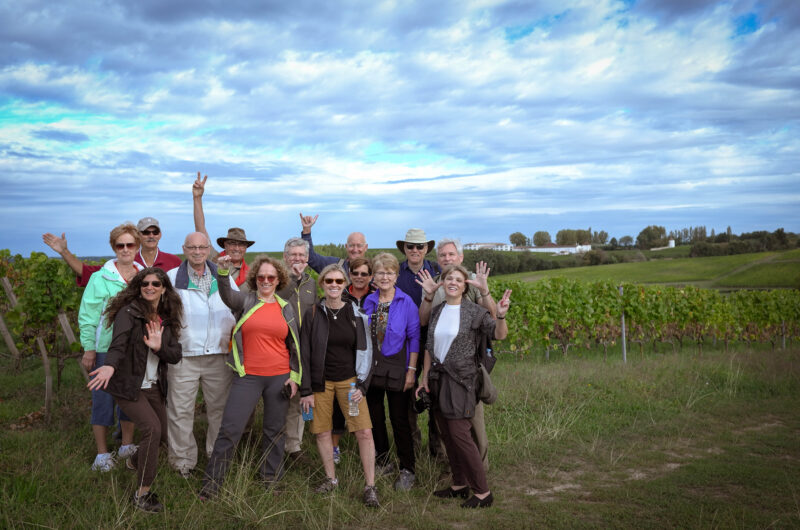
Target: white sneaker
(127,451)
(104,462)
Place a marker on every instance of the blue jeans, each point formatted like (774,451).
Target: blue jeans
(103,403)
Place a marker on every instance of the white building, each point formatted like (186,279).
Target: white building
(488,246)
(550,248)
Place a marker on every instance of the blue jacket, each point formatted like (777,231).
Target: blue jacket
(402,328)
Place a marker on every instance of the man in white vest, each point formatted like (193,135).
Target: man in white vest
(205,338)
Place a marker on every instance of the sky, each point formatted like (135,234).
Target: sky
(466,118)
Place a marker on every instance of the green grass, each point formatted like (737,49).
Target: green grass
(776,274)
(668,440)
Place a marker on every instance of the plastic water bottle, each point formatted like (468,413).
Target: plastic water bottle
(352,404)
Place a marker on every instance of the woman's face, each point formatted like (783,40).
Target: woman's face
(266,280)
(152,289)
(125,247)
(333,285)
(454,284)
(360,277)
(385,278)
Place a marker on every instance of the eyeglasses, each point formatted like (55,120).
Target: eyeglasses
(120,246)
(238,244)
(337,281)
(357,274)
(195,248)
(269,278)
(418,246)
(154,283)
(151,232)
(384,274)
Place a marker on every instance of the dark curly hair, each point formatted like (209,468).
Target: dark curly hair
(283,275)
(170,307)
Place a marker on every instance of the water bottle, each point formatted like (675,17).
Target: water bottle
(352,405)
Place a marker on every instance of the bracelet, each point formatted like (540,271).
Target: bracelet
(501,318)
(412,368)
(485,295)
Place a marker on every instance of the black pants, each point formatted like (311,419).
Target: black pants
(398,415)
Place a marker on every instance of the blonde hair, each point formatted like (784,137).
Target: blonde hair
(124,228)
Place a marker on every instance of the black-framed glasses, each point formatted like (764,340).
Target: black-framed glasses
(120,246)
(417,246)
(154,283)
(337,281)
(151,232)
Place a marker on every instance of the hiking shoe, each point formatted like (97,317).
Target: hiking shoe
(185,472)
(405,481)
(127,451)
(147,502)
(450,493)
(130,465)
(371,497)
(337,456)
(475,502)
(328,486)
(384,469)
(104,462)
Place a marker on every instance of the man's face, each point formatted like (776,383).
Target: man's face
(297,259)
(415,252)
(150,237)
(448,255)
(356,246)
(236,250)
(196,249)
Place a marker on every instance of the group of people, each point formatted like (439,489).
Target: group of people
(156,329)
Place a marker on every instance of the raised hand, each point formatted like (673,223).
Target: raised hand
(223,263)
(425,280)
(58,244)
(199,186)
(101,378)
(481,280)
(307,221)
(153,337)
(504,304)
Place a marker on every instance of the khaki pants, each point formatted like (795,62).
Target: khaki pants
(294,425)
(212,374)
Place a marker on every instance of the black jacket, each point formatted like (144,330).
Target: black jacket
(128,354)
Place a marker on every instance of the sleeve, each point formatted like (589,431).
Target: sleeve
(90,311)
(123,325)
(171,352)
(315,261)
(412,327)
(86,273)
(232,298)
(305,353)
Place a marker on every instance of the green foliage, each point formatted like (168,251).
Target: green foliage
(518,239)
(541,238)
(652,236)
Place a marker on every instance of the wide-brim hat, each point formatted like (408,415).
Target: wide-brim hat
(234,234)
(415,235)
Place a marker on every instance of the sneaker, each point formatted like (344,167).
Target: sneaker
(147,502)
(475,502)
(337,456)
(104,462)
(405,481)
(384,469)
(127,451)
(185,472)
(450,493)
(371,497)
(328,486)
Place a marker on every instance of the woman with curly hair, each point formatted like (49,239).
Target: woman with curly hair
(146,317)
(266,359)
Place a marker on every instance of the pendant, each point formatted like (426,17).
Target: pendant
(334,317)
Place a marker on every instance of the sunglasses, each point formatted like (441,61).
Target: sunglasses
(120,246)
(337,281)
(154,283)
(359,274)
(151,232)
(418,246)
(270,278)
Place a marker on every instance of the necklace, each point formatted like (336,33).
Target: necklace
(334,312)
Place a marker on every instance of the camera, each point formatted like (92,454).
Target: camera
(424,401)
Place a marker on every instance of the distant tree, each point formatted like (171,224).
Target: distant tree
(626,241)
(566,237)
(583,237)
(518,239)
(600,238)
(613,243)
(652,236)
(729,233)
(541,238)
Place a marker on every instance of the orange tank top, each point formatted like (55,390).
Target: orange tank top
(264,342)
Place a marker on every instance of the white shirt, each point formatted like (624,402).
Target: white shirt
(446,330)
(151,372)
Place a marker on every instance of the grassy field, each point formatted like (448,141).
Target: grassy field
(675,440)
(760,270)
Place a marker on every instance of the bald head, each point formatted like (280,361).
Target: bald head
(356,246)
(196,248)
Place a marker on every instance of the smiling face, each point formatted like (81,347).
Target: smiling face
(150,237)
(125,247)
(454,284)
(236,250)
(356,245)
(384,278)
(448,255)
(297,259)
(415,253)
(266,280)
(360,277)
(333,284)
(196,249)
(152,292)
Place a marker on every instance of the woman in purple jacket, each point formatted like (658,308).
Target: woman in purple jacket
(394,327)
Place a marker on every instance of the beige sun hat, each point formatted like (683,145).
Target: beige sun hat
(415,235)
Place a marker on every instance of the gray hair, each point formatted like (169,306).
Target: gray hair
(295,242)
(447,241)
